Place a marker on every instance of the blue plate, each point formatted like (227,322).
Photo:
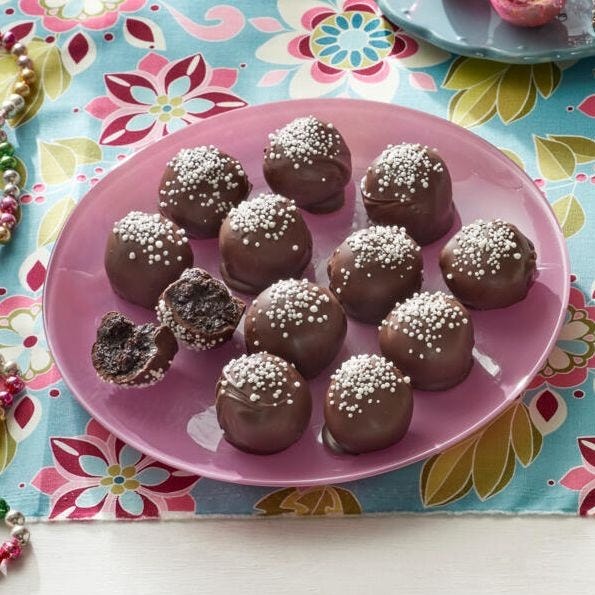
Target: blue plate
(472,28)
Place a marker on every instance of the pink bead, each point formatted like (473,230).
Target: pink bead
(5,398)
(14,384)
(9,205)
(8,40)
(14,548)
(8,220)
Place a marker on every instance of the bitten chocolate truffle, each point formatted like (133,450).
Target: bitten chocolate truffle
(263,240)
(131,355)
(144,254)
(308,161)
(368,406)
(374,268)
(298,321)
(263,404)
(409,185)
(489,264)
(200,310)
(199,187)
(430,338)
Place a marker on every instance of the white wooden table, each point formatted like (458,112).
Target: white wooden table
(404,554)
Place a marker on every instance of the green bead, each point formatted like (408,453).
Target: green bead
(7,162)
(6,149)
(4,508)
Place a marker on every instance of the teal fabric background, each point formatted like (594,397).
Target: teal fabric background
(52,460)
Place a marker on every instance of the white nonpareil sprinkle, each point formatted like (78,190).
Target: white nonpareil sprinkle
(404,168)
(268,215)
(302,139)
(202,173)
(482,246)
(355,384)
(154,235)
(426,317)
(260,376)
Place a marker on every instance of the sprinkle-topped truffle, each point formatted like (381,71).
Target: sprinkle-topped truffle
(308,161)
(299,321)
(269,215)
(409,185)
(404,168)
(292,302)
(489,264)
(199,187)
(303,140)
(155,236)
(145,252)
(262,240)
(265,379)
(355,384)
(263,403)
(368,405)
(429,337)
(482,246)
(374,268)
(387,246)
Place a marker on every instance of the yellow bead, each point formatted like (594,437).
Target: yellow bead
(28,75)
(4,235)
(22,89)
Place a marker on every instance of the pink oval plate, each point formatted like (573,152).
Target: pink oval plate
(174,421)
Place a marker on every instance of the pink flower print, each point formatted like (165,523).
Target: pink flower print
(98,476)
(161,97)
(582,478)
(346,46)
(63,15)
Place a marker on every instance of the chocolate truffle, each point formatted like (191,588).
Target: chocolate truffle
(374,268)
(368,405)
(298,321)
(409,185)
(199,187)
(263,240)
(199,310)
(430,338)
(263,404)
(308,161)
(489,264)
(144,254)
(131,355)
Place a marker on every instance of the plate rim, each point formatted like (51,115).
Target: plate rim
(480,51)
(344,476)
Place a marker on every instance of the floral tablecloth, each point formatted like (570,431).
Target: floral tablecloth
(116,75)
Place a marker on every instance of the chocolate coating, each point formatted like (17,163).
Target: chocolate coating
(199,187)
(144,254)
(368,406)
(263,404)
(200,310)
(131,355)
(374,268)
(409,185)
(308,161)
(489,264)
(430,338)
(298,321)
(263,240)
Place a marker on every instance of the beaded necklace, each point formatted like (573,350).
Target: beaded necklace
(11,383)
(10,208)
